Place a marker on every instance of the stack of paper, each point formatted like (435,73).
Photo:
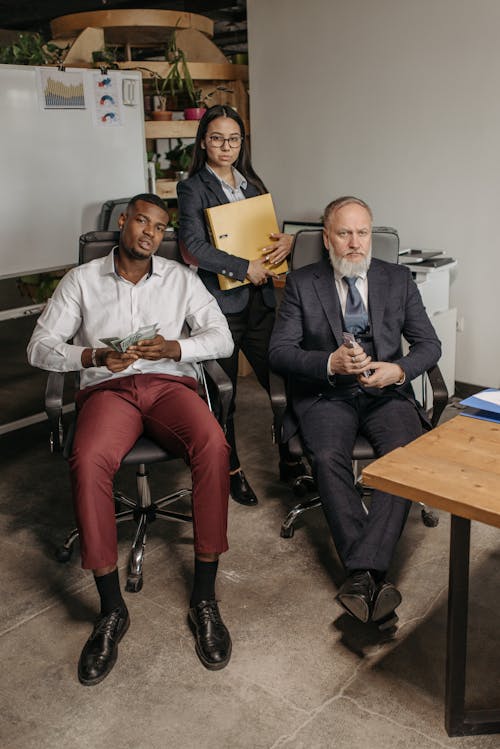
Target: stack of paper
(484,405)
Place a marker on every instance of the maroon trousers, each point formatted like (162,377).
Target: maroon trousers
(111,417)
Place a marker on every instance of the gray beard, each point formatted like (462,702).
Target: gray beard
(345,267)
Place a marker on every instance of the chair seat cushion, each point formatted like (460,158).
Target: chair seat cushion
(363,450)
(146,451)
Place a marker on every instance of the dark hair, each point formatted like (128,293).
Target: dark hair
(338,203)
(242,164)
(148,197)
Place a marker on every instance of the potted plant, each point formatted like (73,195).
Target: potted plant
(180,158)
(31,49)
(199,102)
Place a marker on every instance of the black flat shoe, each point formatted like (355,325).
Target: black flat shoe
(240,489)
(386,599)
(100,652)
(213,641)
(356,594)
(292,471)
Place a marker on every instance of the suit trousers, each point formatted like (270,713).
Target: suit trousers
(111,417)
(251,330)
(329,428)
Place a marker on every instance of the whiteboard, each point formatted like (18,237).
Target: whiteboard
(57,167)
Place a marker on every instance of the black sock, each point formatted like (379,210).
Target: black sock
(108,587)
(204,581)
(378,575)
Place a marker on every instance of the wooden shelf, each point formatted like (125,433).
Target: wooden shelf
(171,129)
(135,27)
(200,71)
(174,129)
(166,188)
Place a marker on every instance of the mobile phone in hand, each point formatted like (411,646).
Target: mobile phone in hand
(349,340)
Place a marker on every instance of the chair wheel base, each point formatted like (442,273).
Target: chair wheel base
(430,518)
(134,583)
(287,532)
(63,554)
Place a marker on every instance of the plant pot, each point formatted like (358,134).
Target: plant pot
(194,113)
(161,115)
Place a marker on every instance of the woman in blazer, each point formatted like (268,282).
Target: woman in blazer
(221,172)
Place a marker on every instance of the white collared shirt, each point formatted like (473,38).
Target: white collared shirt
(232,193)
(93,302)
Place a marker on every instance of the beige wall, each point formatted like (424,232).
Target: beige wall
(399,102)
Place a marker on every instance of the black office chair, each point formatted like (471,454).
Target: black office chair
(308,248)
(111,211)
(217,390)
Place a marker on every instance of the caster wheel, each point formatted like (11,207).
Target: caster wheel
(134,583)
(287,532)
(430,518)
(63,554)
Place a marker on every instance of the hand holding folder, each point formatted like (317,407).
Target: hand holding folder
(243,228)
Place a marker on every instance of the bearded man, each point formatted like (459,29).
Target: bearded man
(339,388)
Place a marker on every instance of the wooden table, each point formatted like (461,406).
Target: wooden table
(456,468)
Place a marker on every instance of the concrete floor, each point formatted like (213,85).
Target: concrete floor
(303,675)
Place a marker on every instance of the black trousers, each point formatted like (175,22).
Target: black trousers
(251,330)
(329,428)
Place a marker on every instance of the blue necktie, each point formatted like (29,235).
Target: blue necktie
(355,316)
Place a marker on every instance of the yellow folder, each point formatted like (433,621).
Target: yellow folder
(243,228)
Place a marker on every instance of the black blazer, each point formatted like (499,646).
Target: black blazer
(203,190)
(309,327)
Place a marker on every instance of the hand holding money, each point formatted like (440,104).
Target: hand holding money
(122,344)
(157,348)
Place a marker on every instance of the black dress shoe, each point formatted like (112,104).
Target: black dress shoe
(100,652)
(213,641)
(356,595)
(292,471)
(386,599)
(241,490)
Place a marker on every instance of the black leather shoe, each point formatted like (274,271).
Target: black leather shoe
(100,652)
(386,599)
(241,490)
(356,595)
(292,471)
(213,641)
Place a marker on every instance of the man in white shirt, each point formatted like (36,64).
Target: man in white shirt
(337,390)
(150,388)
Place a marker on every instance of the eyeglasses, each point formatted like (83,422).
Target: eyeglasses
(234,141)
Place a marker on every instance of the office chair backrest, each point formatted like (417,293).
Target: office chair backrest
(95,244)
(110,213)
(308,246)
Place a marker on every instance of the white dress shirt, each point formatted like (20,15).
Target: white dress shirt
(233,194)
(93,302)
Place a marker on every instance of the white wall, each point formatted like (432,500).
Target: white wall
(397,101)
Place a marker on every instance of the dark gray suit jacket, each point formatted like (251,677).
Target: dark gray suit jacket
(201,191)
(309,327)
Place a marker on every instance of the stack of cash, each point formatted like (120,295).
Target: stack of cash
(142,334)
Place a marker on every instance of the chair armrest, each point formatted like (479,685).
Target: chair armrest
(219,388)
(277,393)
(54,409)
(439,394)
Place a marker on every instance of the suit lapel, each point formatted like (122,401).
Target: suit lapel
(326,290)
(213,185)
(378,289)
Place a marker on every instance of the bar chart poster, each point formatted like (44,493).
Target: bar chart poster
(61,89)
